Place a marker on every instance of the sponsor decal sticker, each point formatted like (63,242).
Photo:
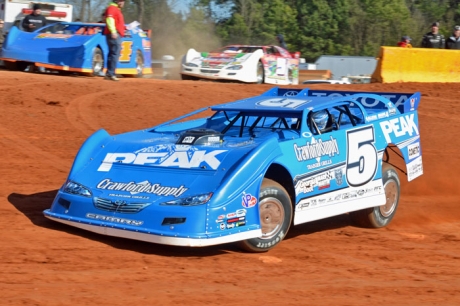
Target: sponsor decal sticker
(366,101)
(249,200)
(412,103)
(235,220)
(184,156)
(397,127)
(383,115)
(241,212)
(413,150)
(371,117)
(55,36)
(114,219)
(283,102)
(414,168)
(321,180)
(188,139)
(231,215)
(338,176)
(142,187)
(316,149)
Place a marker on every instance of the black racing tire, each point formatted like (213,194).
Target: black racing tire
(16,66)
(11,65)
(381,216)
(97,62)
(186,77)
(260,73)
(22,66)
(275,210)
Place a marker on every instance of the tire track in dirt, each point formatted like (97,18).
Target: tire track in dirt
(79,112)
(15,142)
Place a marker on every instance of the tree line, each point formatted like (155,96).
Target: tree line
(313,27)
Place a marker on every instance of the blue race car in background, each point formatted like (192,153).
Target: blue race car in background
(76,47)
(248,171)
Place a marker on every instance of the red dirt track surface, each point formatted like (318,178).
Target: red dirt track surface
(44,120)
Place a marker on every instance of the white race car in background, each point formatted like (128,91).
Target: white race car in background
(243,63)
(326,82)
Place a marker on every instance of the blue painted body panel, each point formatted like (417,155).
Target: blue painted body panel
(60,46)
(150,169)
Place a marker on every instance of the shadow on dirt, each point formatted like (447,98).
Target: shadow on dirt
(33,205)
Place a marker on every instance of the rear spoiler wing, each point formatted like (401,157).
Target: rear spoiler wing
(405,102)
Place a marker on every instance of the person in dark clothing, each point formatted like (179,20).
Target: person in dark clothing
(453,42)
(35,20)
(281,42)
(433,39)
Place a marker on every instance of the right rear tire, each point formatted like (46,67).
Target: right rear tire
(381,216)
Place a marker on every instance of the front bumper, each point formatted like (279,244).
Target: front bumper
(150,235)
(219,74)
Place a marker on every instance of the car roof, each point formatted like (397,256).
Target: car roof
(268,105)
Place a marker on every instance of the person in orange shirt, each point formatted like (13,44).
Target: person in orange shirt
(113,31)
(405,42)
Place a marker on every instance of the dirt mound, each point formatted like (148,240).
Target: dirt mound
(44,120)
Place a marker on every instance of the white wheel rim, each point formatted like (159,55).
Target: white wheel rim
(272,213)
(391,194)
(97,63)
(139,65)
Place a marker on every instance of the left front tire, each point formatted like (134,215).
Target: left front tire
(275,211)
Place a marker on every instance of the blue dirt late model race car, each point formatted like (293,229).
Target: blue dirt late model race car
(76,47)
(247,172)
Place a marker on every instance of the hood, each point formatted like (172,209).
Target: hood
(158,166)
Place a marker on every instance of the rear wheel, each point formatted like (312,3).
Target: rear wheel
(260,73)
(139,64)
(381,216)
(275,211)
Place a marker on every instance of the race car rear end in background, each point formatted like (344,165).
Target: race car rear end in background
(76,47)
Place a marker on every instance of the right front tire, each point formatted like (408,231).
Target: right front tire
(275,211)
